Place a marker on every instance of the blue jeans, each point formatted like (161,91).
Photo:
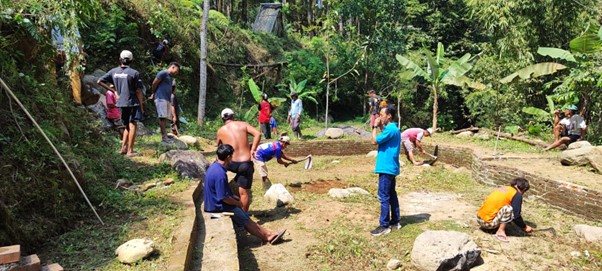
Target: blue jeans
(389,204)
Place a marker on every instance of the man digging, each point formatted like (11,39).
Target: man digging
(266,151)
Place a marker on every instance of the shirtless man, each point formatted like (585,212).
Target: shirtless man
(235,133)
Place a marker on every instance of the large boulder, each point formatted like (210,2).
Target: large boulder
(579,144)
(595,159)
(465,134)
(576,157)
(134,250)
(340,193)
(190,140)
(589,233)
(141,130)
(279,195)
(173,144)
(334,133)
(372,154)
(101,113)
(189,164)
(482,136)
(444,250)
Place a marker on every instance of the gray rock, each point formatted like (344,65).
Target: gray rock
(482,136)
(579,144)
(349,131)
(465,134)
(589,233)
(334,133)
(595,159)
(98,73)
(189,140)
(279,195)
(101,113)
(141,130)
(189,164)
(393,264)
(134,250)
(372,154)
(340,193)
(575,254)
(172,144)
(124,183)
(444,250)
(576,157)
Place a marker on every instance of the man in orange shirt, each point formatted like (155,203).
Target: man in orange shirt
(503,206)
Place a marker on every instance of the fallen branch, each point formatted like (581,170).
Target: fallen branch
(538,143)
(471,129)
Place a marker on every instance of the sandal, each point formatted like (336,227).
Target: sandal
(277,238)
(132,154)
(502,238)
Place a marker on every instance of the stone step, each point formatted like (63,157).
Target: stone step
(28,263)
(53,267)
(10,254)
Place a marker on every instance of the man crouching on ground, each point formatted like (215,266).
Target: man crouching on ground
(235,134)
(219,198)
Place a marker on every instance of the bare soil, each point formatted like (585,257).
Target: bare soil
(315,223)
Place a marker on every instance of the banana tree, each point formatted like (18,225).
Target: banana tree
(438,75)
(256,93)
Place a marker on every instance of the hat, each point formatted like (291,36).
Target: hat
(371,91)
(264,96)
(125,54)
(293,93)
(285,139)
(571,107)
(430,130)
(227,112)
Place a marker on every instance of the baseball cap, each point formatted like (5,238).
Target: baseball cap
(430,130)
(125,54)
(285,139)
(227,112)
(371,91)
(571,107)
(293,93)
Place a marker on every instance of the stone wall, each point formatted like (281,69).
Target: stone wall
(572,198)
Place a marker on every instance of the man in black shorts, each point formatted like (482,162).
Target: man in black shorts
(128,89)
(235,133)
(571,128)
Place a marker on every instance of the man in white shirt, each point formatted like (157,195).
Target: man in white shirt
(294,115)
(569,129)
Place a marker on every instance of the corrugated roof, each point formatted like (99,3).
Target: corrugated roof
(267,17)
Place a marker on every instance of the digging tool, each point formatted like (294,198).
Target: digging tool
(433,156)
(309,163)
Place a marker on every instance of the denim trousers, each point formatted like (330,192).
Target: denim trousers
(389,204)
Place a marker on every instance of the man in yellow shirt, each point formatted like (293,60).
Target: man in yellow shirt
(503,206)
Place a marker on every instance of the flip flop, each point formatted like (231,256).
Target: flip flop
(502,238)
(132,154)
(278,237)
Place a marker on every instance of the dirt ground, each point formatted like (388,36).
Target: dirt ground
(316,223)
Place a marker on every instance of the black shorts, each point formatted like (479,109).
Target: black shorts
(244,173)
(573,138)
(130,114)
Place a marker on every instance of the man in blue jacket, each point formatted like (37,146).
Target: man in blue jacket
(387,167)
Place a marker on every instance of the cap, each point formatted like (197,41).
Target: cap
(371,91)
(125,54)
(227,112)
(293,93)
(264,96)
(285,139)
(571,107)
(383,103)
(430,130)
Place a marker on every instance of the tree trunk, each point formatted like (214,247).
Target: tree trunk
(244,15)
(327,90)
(435,107)
(203,81)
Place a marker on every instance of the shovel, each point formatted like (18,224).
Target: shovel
(309,163)
(433,156)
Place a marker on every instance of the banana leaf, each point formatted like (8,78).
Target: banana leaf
(533,71)
(408,64)
(556,53)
